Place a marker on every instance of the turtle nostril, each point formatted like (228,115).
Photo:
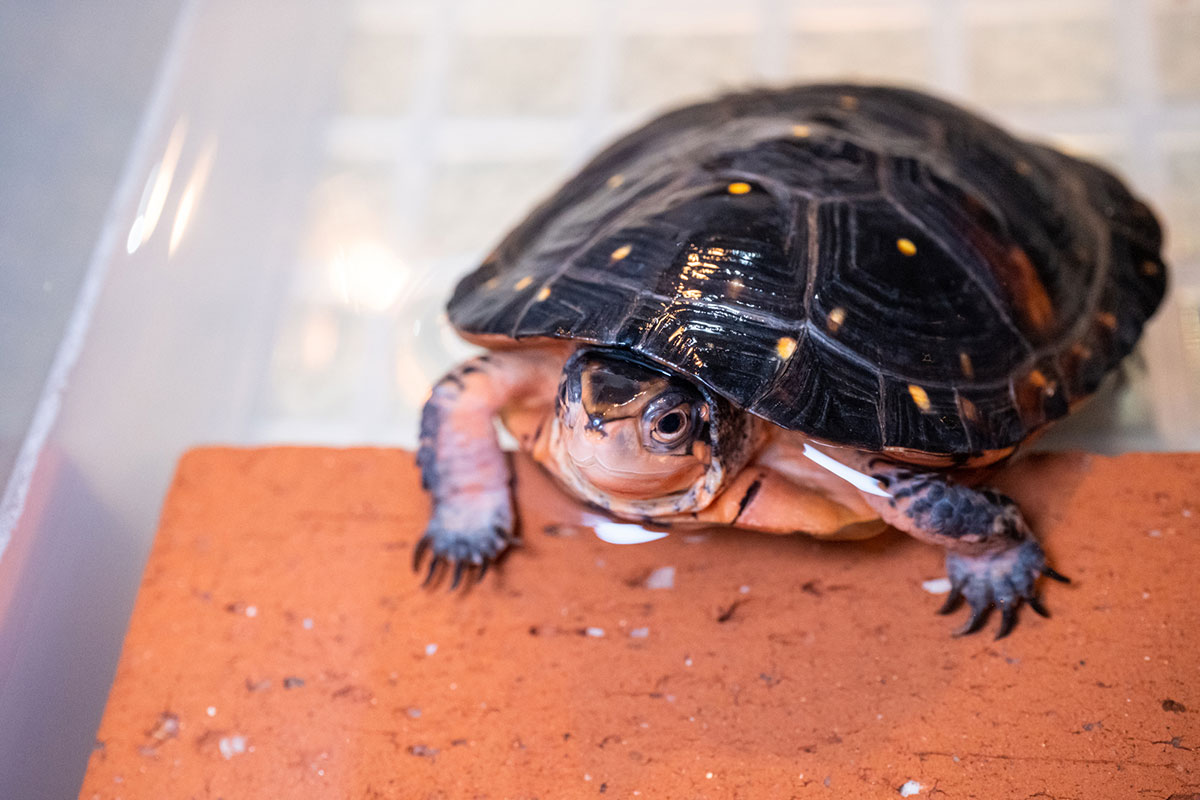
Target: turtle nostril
(595,424)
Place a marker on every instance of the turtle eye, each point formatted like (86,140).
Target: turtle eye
(668,422)
(672,426)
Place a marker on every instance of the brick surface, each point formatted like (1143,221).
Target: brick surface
(281,647)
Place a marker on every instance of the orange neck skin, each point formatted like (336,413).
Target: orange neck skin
(773,488)
(777,491)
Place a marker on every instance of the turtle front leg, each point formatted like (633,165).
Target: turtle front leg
(992,556)
(461,463)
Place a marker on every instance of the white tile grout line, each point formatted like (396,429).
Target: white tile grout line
(16,491)
(376,389)
(949,44)
(600,71)
(1139,91)
(415,159)
(774,32)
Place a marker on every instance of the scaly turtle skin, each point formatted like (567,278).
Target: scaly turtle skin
(868,273)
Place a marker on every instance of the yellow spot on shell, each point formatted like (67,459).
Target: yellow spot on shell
(801,131)
(543,293)
(1149,268)
(1023,167)
(1042,383)
(621,252)
(785,347)
(968,409)
(968,368)
(920,397)
(1107,320)
(835,319)
(523,283)
(615,181)
(906,247)
(848,102)
(491,283)
(741,187)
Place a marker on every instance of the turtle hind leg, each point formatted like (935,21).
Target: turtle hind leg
(993,559)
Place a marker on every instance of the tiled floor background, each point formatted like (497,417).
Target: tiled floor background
(453,118)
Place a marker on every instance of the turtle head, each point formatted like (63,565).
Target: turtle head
(639,440)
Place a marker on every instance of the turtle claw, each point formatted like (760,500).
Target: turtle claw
(434,563)
(461,549)
(952,600)
(975,622)
(1035,603)
(459,568)
(1008,618)
(419,553)
(1003,580)
(1054,575)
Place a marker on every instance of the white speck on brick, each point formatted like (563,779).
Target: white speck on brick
(936,586)
(251,611)
(430,649)
(597,633)
(661,578)
(1154,534)
(910,788)
(744,589)
(231,746)
(687,662)
(211,711)
(639,633)
(307,623)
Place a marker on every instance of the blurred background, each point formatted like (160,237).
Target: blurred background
(229,222)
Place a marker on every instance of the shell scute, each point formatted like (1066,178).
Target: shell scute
(826,166)
(913,412)
(929,299)
(834,393)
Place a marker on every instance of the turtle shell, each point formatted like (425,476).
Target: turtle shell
(871,266)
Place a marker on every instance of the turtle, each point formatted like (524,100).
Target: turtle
(821,309)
